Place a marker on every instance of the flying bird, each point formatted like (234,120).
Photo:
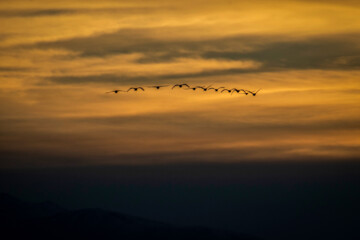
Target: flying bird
(228,90)
(235,90)
(238,91)
(180,85)
(254,93)
(116,91)
(215,89)
(245,91)
(158,86)
(204,88)
(191,88)
(135,88)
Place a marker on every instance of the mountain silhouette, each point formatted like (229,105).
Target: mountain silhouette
(13,208)
(47,220)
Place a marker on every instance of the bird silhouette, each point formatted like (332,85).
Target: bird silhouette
(201,87)
(244,91)
(204,88)
(191,88)
(135,88)
(116,91)
(180,85)
(215,89)
(158,86)
(235,90)
(254,93)
(228,90)
(238,91)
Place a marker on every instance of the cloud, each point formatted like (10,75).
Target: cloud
(323,52)
(276,52)
(270,154)
(154,43)
(252,134)
(29,13)
(13,69)
(268,54)
(129,80)
(35,12)
(304,56)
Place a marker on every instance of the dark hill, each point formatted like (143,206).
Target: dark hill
(21,220)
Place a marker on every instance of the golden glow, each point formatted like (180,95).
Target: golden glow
(58,59)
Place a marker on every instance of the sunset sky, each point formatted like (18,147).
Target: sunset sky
(58,58)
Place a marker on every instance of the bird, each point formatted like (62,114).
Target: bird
(158,86)
(191,88)
(215,89)
(228,90)
(235,90)
(204,88)
(116,91)
(245,91)
(254,93)
(180,85)
(135,88)
(238,91)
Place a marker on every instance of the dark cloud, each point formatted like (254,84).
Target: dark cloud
(327,52)
(75,141)
(65,11)
(285,118)
(127,80)
(35,12)
(156,49)
(201,122)
(275,51)
(12,69)
(103,78)
(46,158)
(197,126)
(340,52)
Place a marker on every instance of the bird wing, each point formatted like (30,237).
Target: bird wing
(157,86)
(175,86)
(186,85)
(225,90)
(258,90)
(142,88)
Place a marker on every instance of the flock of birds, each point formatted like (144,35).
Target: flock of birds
(185,86)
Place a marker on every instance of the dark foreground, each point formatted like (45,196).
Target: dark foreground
(271,200)
(46,220)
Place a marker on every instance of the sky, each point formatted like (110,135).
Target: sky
(57,60)
(285,161)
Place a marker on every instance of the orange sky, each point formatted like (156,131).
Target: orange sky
(58,59)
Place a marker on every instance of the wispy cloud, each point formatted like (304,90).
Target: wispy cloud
(54,12)
(58,60)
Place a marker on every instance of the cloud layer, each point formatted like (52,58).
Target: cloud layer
(57,62)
